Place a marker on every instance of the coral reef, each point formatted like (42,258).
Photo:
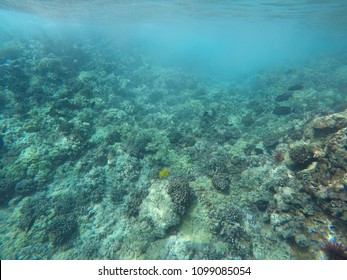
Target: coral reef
(302,156)
(31,210)
(181,194)
(161,209)
(221,182)
(124,159)
(228,224)
(134,202)
(61,228)
(325,180)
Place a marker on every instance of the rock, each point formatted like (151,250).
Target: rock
(326,180)
(323,126)
(159,208)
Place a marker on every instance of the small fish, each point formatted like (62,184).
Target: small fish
(164,173)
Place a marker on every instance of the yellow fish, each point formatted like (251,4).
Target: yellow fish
(164,173)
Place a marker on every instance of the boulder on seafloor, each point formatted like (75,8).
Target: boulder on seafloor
(159,208)
(326,181)
(323,126)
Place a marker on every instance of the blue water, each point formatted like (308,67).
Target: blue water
(173,129)
(220,38)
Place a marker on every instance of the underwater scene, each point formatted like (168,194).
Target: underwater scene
(181,130)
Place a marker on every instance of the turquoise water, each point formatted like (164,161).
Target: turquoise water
(173,130)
